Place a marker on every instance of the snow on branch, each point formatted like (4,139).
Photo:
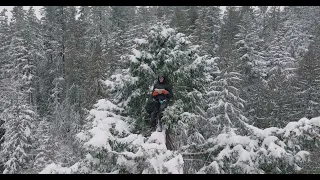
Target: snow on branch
(271,150)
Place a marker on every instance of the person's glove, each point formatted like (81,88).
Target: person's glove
(155,93)
(165,92)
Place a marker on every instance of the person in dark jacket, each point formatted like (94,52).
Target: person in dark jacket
(154,107)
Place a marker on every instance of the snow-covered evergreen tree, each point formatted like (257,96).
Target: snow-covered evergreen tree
(34,42)
(279,60)
(45,146)
(251,55)
(5,39)
(207,29)
(242,117)
(53,21)
(17,145)
(18,116)
(180,19)
(251,59)
(163,50)
(299,31)
(225,104)
(271,150)
(122,19)
(21,116)
(307,81)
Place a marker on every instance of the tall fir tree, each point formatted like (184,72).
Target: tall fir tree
(307,81)
(207,29)
(20,118)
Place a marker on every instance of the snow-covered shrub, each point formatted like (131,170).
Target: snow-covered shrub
(110,147)
(271,150)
